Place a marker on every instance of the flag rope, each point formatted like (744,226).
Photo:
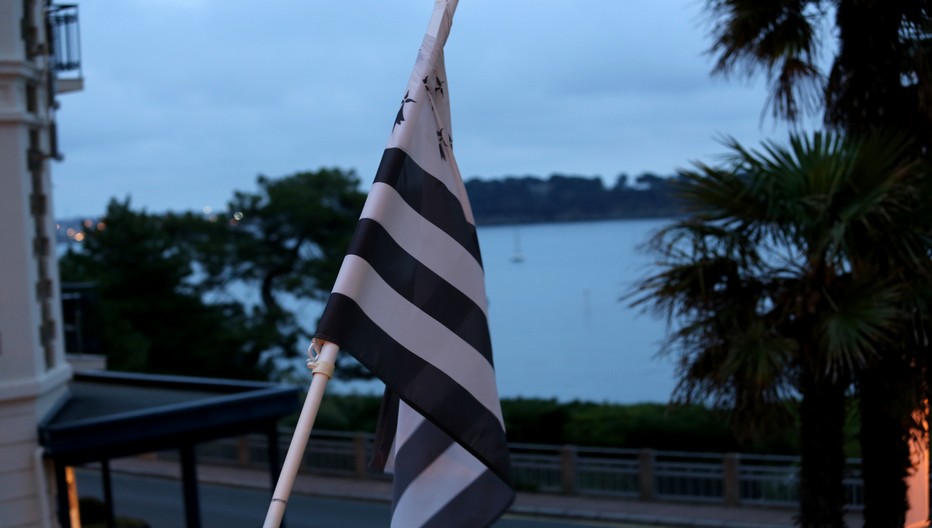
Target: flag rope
(316,364)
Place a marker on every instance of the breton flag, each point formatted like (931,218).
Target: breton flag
(409,303)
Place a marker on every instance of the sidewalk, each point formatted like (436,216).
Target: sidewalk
(666,514)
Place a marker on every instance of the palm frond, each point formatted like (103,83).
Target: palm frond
(861,318)
(777,37)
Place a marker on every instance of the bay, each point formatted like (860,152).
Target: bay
(559,327)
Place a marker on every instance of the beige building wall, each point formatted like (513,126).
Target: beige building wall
(33,370)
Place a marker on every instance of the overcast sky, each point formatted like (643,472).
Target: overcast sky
(186,101)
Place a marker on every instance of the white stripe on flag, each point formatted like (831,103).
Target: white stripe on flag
(449,474)
(408,422)
(419,139)
(433,342)
(427,243)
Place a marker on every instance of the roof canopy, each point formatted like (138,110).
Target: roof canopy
(114,414)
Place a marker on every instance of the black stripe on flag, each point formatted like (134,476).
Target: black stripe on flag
(470,507)
(424,446)
(427,389)
(428,196)
(385,430)
(421,286)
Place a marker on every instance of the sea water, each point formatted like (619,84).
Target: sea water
(559,322)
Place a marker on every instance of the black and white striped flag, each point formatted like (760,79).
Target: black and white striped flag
(409,303)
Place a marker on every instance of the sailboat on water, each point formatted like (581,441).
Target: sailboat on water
(518,255)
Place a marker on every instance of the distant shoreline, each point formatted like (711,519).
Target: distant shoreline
(498,222)
(531,200)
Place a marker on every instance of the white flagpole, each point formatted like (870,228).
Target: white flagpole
(323,366)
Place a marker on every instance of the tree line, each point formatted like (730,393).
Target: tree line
(696,428)
(562,198)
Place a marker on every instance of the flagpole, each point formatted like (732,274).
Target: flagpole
(323,366)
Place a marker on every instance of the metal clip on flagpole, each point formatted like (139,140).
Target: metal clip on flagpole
(321,360)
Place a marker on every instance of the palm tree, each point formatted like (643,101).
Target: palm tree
(765,283)
(880,78)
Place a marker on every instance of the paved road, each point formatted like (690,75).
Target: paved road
(159,502)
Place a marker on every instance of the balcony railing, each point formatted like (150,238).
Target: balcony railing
(65,40)
(716,478)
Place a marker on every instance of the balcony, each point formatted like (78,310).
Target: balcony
(65,39)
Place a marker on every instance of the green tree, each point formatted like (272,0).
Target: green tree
(286,242)
(879,79)
(215,295)
(151,314)
(770,285)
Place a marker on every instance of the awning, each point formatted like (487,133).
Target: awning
(109,415)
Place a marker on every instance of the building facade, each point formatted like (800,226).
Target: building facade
(33,370)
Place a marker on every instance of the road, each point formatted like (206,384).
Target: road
(158,501)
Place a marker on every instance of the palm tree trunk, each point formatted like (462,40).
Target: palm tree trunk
(886,411)
(822,411)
